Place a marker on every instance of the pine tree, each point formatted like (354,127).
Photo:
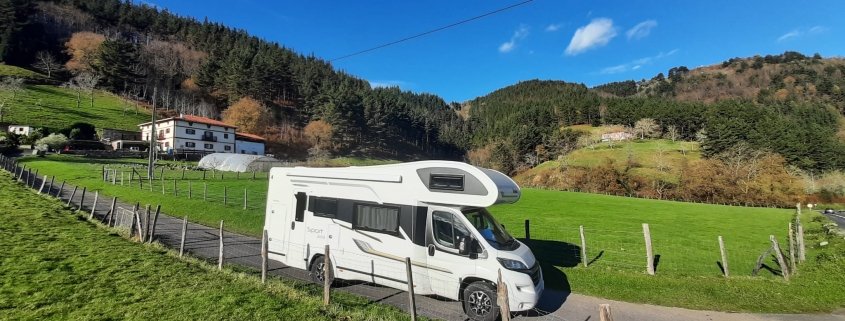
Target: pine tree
(117,64)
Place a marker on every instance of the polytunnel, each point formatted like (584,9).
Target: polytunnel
(239,162)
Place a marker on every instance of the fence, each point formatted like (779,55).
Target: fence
(214,244)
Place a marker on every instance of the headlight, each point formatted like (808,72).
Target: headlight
(512,264)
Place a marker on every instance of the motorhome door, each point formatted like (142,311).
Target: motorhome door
(445,265)
(277,230)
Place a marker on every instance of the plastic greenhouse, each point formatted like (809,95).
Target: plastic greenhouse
(239,162)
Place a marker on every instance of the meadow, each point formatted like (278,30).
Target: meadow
(684,238)
(56,265)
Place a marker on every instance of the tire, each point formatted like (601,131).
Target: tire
(480,302)
(317,272)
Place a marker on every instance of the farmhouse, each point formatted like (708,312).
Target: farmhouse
(191,133)
(249,144)
(616,136)
(23,130)
(110,135)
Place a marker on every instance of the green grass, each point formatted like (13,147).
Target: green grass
(645,152)
(12,71)
(55,265)
(685,236)
(55,107)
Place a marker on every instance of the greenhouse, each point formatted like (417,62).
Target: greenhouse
(239,162)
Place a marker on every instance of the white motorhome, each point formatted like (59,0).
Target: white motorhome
(373,217)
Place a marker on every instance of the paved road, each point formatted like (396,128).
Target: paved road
(839,218)
(202,241)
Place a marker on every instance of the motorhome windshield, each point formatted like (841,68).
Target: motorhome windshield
(490,229)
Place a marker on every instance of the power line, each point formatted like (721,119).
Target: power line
(433,31)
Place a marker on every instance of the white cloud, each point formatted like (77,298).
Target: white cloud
(817,29)
(387,83)
(791,34)
(518,35)
(642,29)
(554,27)
(596,34)
(636,63)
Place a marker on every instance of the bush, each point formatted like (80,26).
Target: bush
(54,141)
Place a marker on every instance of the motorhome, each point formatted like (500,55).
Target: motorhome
(373,217)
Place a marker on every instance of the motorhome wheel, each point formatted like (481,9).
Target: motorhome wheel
(318,275)
(480,302)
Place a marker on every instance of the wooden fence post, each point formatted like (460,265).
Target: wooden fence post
(137,217)
(604,313)
(791,248)
(238,175)
(802,254)
(221,175)
(412,308)
(155,220)
(61,189)
(28,176)
(245,198)
(114,177)
(724,256)
(784,270)
(220,256)
(35,178)
(502,298)
(527,230)
(327,261)
(190,191)
(264,247)
(162,187)
(175,192)
(203,175)
(122,173)
(184,232)
(131,175)
(71,195)
(648,251)
(43,182)
(94,206)
(161,174)
(111,211)
(82,199)
(147,213)
(224,195)
(253,175)
(52,179)
(183,173)
(583,247)
(204,190)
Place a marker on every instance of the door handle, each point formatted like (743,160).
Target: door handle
(292,225)
(431,250)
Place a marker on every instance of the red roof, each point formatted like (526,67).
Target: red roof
(251,136)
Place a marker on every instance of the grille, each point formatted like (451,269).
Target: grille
(535,273)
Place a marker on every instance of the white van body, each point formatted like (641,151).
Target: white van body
(373,217)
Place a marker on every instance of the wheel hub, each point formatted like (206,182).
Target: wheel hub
(480,303)
(321,271)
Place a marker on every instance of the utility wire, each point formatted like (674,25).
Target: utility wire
(433,31)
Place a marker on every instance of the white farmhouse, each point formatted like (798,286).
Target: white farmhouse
(22,130)
(249,144)
(616,136)
(192,133)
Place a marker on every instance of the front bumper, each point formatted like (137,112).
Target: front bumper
(523,294)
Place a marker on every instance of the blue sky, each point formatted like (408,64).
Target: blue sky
(590,42)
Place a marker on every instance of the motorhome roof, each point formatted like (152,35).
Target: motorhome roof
(429,182)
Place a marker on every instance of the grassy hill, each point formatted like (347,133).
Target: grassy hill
(12,71)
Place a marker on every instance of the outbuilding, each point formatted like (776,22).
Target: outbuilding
(239,162)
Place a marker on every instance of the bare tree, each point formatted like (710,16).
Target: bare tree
(88,82)
(647,127)
(659,159)
(13,85)
(672,131)
(587,141)
(74,85)
(46,62)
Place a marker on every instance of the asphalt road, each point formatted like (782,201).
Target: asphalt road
(202,241)
(839,218)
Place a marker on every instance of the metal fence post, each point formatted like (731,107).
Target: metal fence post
(220,256)
(412,309)
(94,206)
(184,232)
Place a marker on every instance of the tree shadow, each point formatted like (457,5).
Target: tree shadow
(596,258)
(721,267)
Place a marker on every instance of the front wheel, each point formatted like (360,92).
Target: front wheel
(318,272)
(480,302)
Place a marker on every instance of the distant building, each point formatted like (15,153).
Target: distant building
(616,136)
(111,135)
(191,133)
(249,144)
(135,145)
(22,130)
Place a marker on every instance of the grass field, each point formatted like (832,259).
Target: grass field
(12,71)
(684,236)
(645,152)
(55,265)
(55,107)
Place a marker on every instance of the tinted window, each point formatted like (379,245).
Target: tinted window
(448,230)
(376,218)
(326,207)
(446,182)
(301,201)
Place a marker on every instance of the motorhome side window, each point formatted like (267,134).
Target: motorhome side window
(448,230)
(301,201)
(446,182)
(326,207)
(376,218)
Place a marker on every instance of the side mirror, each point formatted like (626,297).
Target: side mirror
(466,245)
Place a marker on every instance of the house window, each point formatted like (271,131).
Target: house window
(190,144)
(225,135)
(325,207)
(209,126)
(227,147)
(168,131)
(166,144)
(448,231)
(190,124)
(243,152)
(376,218)
(209,146)
(446,182)
(190,131)
(161,132)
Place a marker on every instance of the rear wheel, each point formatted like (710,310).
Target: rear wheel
(480,302)
(318,272)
